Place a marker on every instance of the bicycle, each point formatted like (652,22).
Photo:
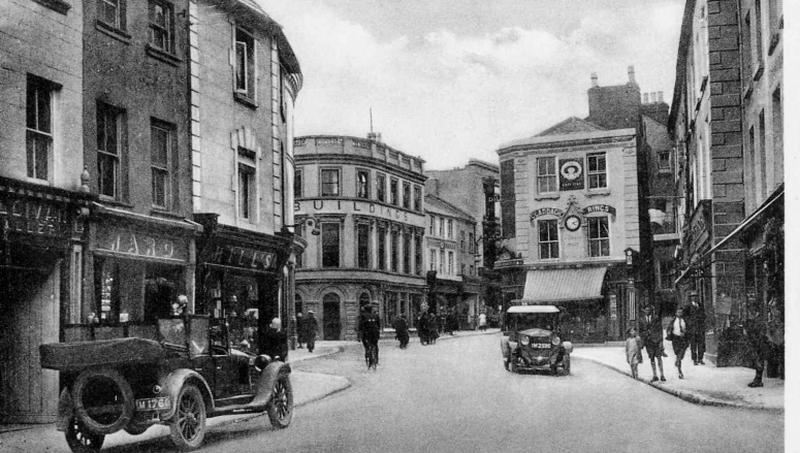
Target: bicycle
(371,354)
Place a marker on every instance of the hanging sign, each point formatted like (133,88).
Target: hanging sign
(570,174)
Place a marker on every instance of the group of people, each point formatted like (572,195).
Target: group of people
(427,328)
(307,330)
(686,330)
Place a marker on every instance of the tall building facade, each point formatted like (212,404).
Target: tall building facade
(44,201)
(365,201)
(244,81)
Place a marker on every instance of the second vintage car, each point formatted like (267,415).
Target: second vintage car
(531,342)
(178,374)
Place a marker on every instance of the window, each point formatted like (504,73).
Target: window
(508,214)
(546,174)
(298,183)
(665,274)
(362,233)
(245,76)
(433,226)
(463,240)
(395,244)
(449,263)
(39,123)
(747,48)
(598,236)
(441,261)
(664,161)
(418,198)
(380,187)
(393,191)
(441,226)
(762,152)
(407,253)
(161,26)
(433,260)
(362,184)
(418,254)
(449,228)
(161,156)
(759,41)
(381,248)
(330,244)
(597,171)
(108,150)
(777,132)
(471,269)
(548,239)
(463,269)
(112,13)
(247,186)
(406,195)
(471,243)
(330,182)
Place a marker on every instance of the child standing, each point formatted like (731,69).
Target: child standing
(633,351)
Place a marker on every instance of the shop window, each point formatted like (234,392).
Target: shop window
(39,123)
(597,170)
(162,158)
(362,184)
(418,255)
(330,245)
(418,198)
(382,248)
(395,253)
(162,27)
(406,195)
(245,65)
(380,187)
(407,253)
(109,149)
(112,13)
(162,285)
(247,187)
(107,290)
(330,182)
(441,261)
(298,183)
(598,236)
(362,241)
(393,191)
(548,239)
(546,174)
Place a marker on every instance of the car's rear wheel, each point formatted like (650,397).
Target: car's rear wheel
(80,440)
(187,428)
(281,405)
(103,400)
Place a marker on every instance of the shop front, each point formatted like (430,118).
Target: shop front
(42,242)
(242,279)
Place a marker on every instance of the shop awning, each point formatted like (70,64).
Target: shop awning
(561,285)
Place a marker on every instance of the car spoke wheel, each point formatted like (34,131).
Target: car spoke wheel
(281,405)
(188,425)
(80,440)
(103,400)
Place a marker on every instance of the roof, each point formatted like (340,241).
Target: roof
(563,285)
(570,125)
(532,309)
(600,134)
(441,206)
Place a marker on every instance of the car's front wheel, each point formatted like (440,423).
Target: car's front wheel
(188,427)
(80,440)
(281,405)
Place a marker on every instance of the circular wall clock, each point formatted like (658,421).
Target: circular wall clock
(572,222)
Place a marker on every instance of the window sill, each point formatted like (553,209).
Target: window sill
(597,192)
(759,72)
(113,32)
(58,6)
(246,100)
(161,55)
(105,199)
(547,196)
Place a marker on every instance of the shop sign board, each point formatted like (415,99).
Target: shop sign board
(602,208)
(38,217)
(140,244)
(546,211)
(245,257)
(571,174)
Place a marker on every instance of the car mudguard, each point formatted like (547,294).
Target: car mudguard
(173,383)
(65,409)
(504,348)
(266,380)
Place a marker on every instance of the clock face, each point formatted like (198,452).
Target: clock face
(572,223)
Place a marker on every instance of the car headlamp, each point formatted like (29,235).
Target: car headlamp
(556,341)
(525,340)
(261,362)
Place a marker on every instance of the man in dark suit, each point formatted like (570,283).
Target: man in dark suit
(653,339)
(275,344)
(696,328)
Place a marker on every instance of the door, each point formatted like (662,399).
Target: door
(331,322)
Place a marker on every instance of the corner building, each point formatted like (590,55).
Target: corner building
(367,201)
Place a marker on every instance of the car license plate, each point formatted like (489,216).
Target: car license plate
(153,404)
(540,345)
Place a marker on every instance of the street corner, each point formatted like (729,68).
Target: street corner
(310,387)
(300,355)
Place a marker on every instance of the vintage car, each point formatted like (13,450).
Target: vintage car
(530,340)
(188,373)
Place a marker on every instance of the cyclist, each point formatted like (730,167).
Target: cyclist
(370,328)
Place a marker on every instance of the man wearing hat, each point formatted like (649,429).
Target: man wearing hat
(310,327)
(696,328)
(653,338)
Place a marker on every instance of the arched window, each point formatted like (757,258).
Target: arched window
(363,299)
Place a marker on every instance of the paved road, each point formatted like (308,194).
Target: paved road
(456,397)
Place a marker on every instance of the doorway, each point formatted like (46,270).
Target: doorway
(331,322)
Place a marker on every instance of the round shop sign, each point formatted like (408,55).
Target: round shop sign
(571,170)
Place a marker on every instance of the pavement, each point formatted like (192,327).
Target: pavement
(702,384)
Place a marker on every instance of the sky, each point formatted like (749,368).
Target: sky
(453,80)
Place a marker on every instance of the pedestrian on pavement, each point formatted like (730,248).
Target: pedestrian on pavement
(370,327)
(301,331)
(633,351)
(275,344)
(310,327)
(401,331)
(433,328)
(482,322)
(759,347)
(653,339)
(422,328)
(676,333)
(696,329)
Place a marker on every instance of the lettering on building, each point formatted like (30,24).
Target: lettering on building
(230,255)
(37,217)
(602,208)
(139,244)
(546,211)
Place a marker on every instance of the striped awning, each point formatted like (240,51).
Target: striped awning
(563,285)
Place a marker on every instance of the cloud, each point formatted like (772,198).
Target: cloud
(448,96)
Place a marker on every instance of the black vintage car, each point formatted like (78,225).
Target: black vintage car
(187,373)
(531,342)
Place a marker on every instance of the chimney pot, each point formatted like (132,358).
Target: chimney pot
(594,79)
(631,75)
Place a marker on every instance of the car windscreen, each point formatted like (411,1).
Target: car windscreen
(524,321)
(172,331)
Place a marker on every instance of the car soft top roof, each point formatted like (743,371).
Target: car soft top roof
(533,309)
